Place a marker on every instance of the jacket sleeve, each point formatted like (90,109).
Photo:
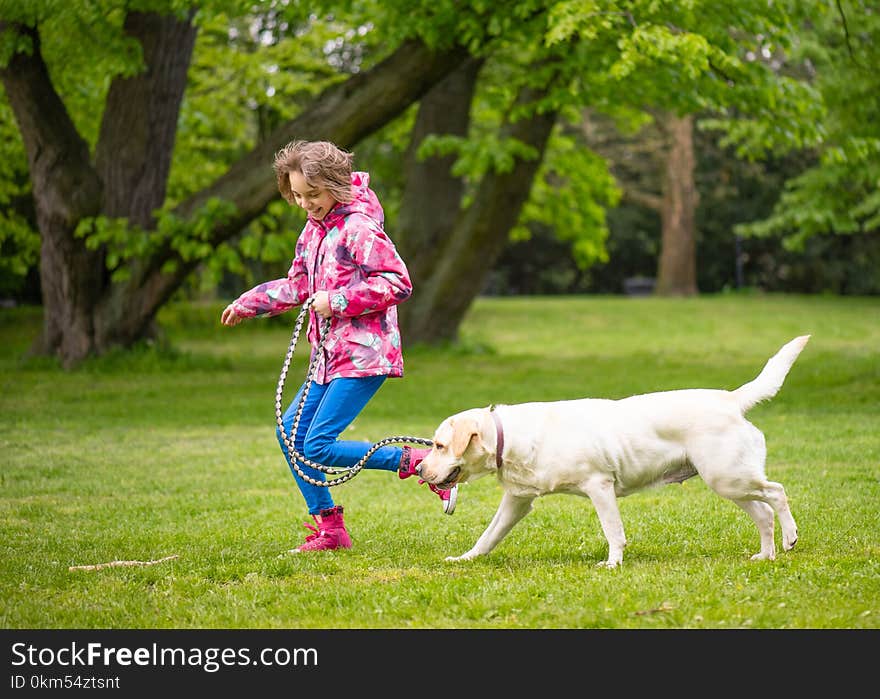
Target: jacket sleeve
(384,278)
(276,296)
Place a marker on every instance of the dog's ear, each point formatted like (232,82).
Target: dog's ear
(463,431)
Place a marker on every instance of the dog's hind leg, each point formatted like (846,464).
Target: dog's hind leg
(764,501)
(789,527)
(511,510)
(774,495)
(733,466)
(761,500)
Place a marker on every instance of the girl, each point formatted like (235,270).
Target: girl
(345,260)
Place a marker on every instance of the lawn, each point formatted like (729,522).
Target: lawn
(170,451)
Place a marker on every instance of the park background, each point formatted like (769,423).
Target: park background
(593,198)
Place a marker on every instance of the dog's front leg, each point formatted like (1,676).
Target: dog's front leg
(601,491)
(511,510)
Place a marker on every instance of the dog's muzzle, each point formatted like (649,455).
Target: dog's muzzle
(451,479)
(448,482)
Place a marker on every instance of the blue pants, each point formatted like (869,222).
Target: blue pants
(328,410)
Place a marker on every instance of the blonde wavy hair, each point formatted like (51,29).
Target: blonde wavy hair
(322,164)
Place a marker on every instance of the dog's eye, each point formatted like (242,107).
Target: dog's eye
(439,446)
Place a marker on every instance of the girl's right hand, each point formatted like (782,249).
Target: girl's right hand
(321,304)
(230,317)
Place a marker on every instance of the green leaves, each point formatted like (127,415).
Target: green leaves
(658,45)
(123,242)
(19,250)
(839,52)
(768,77)
(571,193)
(493,153)
(582,19)
(841,198)
(19,243)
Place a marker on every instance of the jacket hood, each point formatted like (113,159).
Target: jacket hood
(365,201)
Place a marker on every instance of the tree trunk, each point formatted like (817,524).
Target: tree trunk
(460,269)
(65,189)
(656,171)
(85,312)
(133,159)
(677,269)
(432,194)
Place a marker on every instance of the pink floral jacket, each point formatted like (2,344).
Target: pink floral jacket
(349,255)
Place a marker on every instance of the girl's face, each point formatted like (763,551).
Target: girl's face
(317,202)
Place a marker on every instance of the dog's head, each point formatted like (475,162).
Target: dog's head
(460,451)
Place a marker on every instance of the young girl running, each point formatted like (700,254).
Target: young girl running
(346,262)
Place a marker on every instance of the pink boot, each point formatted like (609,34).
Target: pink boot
(328,535)
(410,459)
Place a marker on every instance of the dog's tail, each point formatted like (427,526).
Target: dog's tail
(769,381)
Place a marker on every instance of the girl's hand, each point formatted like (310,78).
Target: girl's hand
(321,304)
(230,317)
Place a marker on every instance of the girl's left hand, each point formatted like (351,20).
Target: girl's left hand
(321,304)
(230,317)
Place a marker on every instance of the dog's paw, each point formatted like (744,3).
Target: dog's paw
(610,565)
(468,555)
(762,556)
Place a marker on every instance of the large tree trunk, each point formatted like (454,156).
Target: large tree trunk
(65,189)
(139,126)
(461,266)
(133,159)
(677,269)
(85,312)
(656,171)
(432,194)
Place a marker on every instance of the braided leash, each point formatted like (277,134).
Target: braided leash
(295,456)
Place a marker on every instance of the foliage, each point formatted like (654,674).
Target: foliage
(684,57)
(620,58)
(122,241)
(19,245)
(841,192)
(257,70)
(571,194)
(80,76)
(731,191)
(771,77)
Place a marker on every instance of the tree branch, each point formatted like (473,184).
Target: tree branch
(58,157)
(846,33)
(344,113)
(645,199)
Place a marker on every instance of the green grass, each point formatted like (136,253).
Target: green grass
(164,452)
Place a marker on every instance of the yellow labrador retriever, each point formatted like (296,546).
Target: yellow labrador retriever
(606,449)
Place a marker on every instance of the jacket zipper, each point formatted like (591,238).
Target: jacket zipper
(318,261)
